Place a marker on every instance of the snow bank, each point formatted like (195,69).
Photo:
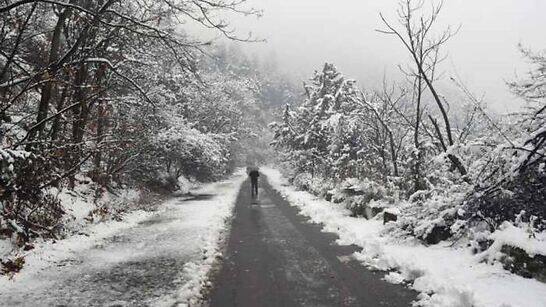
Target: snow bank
(80,203)
(508,234)
(444,275)
(78,222)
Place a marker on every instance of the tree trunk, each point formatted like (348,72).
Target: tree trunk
(101,126)
(48,87)
(393,152)
(435,96)
(81,111)
(77,124)
(56,126)
(417,176)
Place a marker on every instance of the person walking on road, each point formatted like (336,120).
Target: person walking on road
(254,174)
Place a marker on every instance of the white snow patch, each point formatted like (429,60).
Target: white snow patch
(508,234)
(5,248)
(394,278)
(444,275)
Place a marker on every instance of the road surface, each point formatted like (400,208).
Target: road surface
(275,257)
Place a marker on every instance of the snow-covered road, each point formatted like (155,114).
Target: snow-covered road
(163,259)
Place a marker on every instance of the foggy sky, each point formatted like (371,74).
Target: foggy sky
(303,34)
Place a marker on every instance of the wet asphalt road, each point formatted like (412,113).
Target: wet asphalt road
(275,258)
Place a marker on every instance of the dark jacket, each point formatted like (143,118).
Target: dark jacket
(254,174)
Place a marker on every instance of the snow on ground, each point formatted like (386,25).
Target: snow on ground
(5,248)
(445,276)
(508,234)
(169,252)
(80,203)
(210,219)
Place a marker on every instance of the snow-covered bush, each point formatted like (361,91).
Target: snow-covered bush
(302,181)
(183,151)
(514,178)
(25,209)
(317,185)
(358,194)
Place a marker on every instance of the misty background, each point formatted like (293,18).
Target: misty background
(303,34)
